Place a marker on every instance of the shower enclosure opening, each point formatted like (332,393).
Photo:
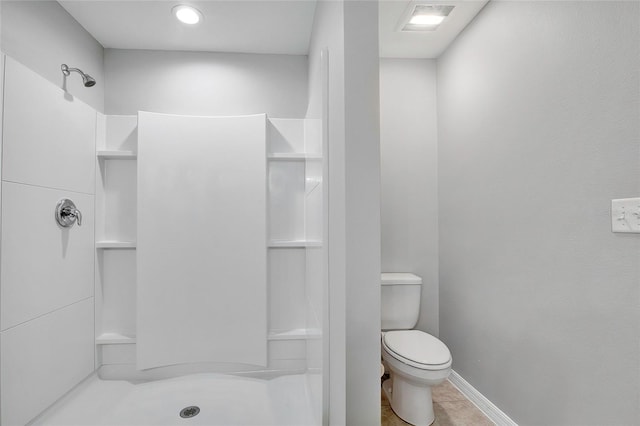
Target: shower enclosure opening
(164,251)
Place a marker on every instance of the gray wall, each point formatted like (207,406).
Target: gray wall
(42,36)
(362,211)
(409,169)
(349,31)
(538,108)
(205,83)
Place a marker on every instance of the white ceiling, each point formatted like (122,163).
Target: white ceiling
(228,26)
(253,26)
(428,44)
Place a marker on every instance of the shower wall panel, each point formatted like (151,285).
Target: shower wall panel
(44,267)
(119,182)
(49,134)
(287,309)
(118,291)
(43,359)
(46,290)
(286,199)
(202,259)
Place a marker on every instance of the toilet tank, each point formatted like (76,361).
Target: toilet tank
(400,300)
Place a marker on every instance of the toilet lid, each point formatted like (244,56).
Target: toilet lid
(417,346)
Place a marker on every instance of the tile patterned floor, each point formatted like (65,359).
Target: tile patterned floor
(450,406)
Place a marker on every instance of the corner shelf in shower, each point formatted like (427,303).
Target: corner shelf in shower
(293,156)
(116,155)
(294,243)
(114,339)
(115,244)
(295,334)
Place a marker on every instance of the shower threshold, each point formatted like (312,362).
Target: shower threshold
(221,399)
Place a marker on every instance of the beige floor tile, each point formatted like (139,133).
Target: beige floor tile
(383,398)
(446,392)
(450,406)
(459,413)
(389,418)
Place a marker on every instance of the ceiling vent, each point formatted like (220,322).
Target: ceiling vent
(424,17)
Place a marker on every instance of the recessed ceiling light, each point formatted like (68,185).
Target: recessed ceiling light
(187,14)
(425,17)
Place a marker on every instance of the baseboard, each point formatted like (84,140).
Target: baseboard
(479,400)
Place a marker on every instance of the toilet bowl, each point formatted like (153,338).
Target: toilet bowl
(416,360)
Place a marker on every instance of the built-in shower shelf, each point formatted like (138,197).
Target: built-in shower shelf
(115,244)
(293,156)
(295,334)
(116,155)
(294,243)
(114,339)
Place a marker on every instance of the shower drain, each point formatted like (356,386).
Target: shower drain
(189,412)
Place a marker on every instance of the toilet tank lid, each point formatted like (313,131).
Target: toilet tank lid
(391,278)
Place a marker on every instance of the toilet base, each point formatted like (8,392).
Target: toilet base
(411,403)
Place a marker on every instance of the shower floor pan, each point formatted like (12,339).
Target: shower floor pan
(222,400)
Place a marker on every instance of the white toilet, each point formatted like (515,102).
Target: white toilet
(416,360)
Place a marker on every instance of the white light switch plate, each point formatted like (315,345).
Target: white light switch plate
(625,215)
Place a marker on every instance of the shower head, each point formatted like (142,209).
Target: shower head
(87,80)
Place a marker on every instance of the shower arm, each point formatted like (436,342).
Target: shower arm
(87,80)
(67,71)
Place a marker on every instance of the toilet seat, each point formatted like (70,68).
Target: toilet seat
(417,349)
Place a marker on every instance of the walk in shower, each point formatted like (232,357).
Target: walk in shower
(185,277)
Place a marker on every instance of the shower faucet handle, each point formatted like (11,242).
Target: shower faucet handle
(67,214)
(73,213)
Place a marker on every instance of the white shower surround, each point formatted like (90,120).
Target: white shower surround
(294,160)
(67,330)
